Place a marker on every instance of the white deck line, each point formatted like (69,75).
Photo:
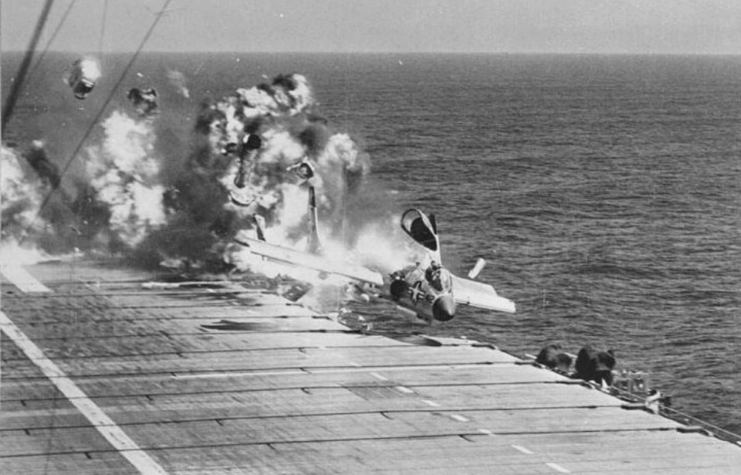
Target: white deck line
(97,417)
(22,279)
(459,418)
(557,467)
(522,449)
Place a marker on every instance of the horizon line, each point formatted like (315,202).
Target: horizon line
(457,53)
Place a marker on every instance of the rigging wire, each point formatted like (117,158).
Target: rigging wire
(95,120)
(51,38)
(102,34)
(23,70)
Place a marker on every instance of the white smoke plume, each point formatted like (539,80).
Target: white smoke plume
(287,95)
(178,81)
(90,68)
(21,194)
(12,253)
(124,172)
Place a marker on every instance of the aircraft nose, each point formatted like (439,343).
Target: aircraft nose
(443,309)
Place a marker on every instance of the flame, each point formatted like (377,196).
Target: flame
(21,194)
(125,176)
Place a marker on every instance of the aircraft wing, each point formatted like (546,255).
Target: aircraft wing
(478,294)
(310,261)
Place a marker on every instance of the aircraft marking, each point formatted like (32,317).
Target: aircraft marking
(94,414)
(416,292)
(22,279)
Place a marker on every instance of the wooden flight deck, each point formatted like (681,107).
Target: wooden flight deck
(106,373)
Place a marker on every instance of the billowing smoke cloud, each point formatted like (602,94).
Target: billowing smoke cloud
(245,149)
(117,202)
(246,153)
(124,174)
(283,115)
(21,197)
(144,101)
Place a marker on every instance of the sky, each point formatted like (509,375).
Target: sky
(397,26)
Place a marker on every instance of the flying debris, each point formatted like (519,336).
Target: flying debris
(246,150)
(83,76)
(143,100)
(425,289)
(303,169)
(242,199)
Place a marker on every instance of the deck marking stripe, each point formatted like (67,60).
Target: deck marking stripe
(486,432)
(522,449)
(21,278)
(97,417)
(378,376)
(235,374)
(459,418)
(557,467)
(430,403)
(404,389)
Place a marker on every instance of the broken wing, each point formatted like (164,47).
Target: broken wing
(310,261)
(477,294)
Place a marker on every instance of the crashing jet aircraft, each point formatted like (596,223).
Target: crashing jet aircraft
(428,290)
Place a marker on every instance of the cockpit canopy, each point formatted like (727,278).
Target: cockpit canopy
(420,228)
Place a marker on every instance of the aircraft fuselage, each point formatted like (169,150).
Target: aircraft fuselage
(426,291)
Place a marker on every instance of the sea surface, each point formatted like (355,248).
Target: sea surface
(604,191)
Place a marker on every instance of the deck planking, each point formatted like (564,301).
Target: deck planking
(227,378)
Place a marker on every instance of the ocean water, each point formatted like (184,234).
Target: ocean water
(604,191)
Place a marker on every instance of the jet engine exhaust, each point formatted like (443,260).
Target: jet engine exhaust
(397,288)
(443,309)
